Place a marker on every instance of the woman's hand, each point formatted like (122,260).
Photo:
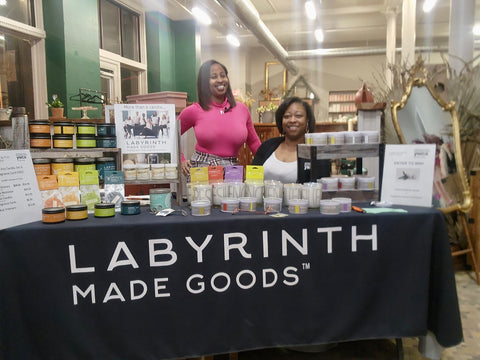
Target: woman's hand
(186,165)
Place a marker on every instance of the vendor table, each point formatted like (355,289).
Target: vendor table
(151,287)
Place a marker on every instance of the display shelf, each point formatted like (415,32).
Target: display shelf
(311,164)
(73,153)
(152,182)
(340,104)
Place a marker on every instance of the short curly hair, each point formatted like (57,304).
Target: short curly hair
(286,104)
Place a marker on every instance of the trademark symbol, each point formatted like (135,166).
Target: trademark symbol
(305,266)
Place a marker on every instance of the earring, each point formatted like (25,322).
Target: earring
(306,129)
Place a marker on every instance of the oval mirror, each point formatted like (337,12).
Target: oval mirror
(422,116)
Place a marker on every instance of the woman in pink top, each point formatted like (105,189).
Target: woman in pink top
(221,124)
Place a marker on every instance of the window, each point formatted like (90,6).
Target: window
(119,30)
(22,57)
(122,50)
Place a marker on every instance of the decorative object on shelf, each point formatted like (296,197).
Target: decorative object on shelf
(5,113)
(56,107)
(303,90)
(363,95)
(267,113)
(84,110)
(248,100)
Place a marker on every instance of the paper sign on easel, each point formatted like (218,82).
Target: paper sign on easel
(20,200)
(408,174)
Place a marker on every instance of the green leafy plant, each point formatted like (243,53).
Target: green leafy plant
(56,103)
(268,107)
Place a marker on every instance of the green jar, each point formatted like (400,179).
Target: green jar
(85,129)
(104,210)
(86,141)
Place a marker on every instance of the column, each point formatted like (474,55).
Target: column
(391,15)
(460,44)
(408,32)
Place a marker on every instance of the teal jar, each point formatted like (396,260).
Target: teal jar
(106,141)
(103,164)
(106,129)
(130,207)
(160,199)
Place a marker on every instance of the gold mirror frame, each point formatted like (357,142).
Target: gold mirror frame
(465,203)
(283,85)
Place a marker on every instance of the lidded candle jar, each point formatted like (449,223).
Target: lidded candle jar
(171,171)
(85,128)
(77,212)
(42,141)
(53,215)
(130,172)
(62,141)
(62,164)
(160,199)
(39,127)
(63,128)
(84,163)
(42,166)
(103,210)
(130,207)
(86,141)
(143,172)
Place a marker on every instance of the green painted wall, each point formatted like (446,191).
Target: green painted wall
(187,57)
(160,53)
(72,50)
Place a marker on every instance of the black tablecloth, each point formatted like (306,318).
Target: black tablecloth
(149,287)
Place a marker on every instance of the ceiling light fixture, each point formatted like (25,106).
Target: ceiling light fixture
(233,40)
(201,16)
(476,30)
(310,10)
(319,35)
(428,5)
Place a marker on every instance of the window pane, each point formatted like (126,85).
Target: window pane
(16,74)
(110,24)
(129,83)
(130,42)
(18,10)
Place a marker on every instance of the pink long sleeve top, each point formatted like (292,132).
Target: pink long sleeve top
(220,132)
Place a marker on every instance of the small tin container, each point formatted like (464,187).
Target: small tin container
(62,141)
(86,141)
(248,203)
(346,183)
(329,207)
(201,207)
(298,206)
(106,141)
(130,172)
(77,212)
(160,198)
(62,164)
(42,166)
(103,210)
(329,183)
(41,141)
(371,137)
(336,138)
(85,129)
(63,128)
(106,129)
(345,204)
(84,163)
(171,171)
(130,207)
(229,204)
(353,137)
(53,215)
(39,127)
(272,204)
(366,183)
(157,171)
(143,172)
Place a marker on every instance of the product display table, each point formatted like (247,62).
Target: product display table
(151,287)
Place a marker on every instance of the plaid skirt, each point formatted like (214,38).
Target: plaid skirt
(200,159)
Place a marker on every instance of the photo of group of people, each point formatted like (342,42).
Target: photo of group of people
(146,124)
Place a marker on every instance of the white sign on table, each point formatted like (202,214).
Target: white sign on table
(408,174)
(144,129)
(20,200)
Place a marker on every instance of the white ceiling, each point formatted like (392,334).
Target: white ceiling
(346,23)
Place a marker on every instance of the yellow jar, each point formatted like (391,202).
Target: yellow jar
(63,141)
(62,164)
(77,212)
(63,128)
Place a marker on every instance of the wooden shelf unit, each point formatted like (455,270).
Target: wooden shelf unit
(341,103)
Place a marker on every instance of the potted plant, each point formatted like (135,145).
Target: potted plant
(56,107)
(267,113)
